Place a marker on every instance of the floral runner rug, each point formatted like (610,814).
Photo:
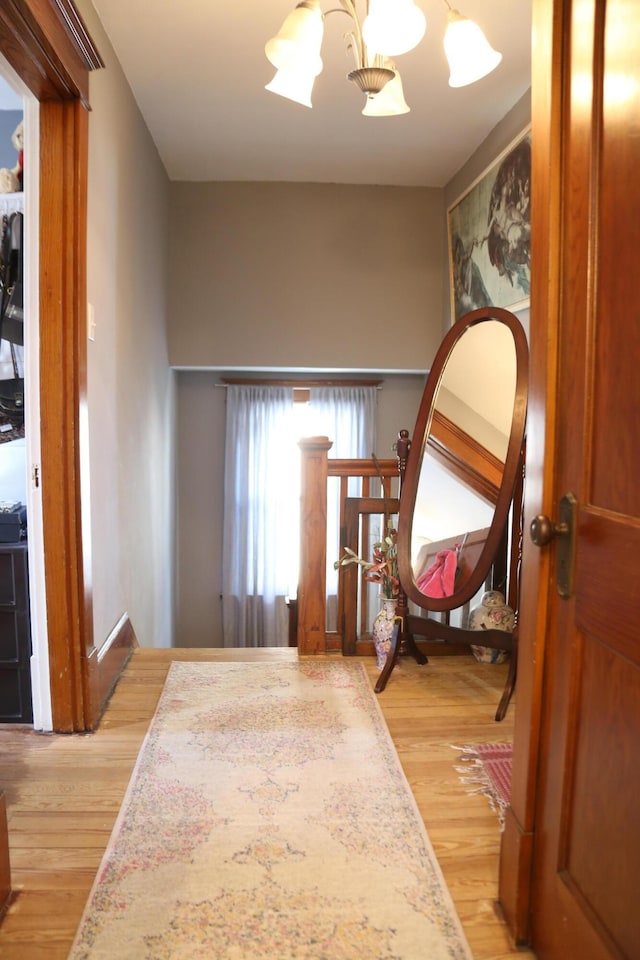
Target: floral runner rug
(268,817)
(486,767)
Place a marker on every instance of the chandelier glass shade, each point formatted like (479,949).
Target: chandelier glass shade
(293,84)
(390,102)
(389,29)
(297,44)
(469,53)
(393,27)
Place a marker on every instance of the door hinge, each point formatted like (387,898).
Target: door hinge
(35,476)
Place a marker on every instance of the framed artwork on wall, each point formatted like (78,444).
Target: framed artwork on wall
(489,230)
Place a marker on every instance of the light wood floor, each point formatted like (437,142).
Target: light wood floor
(64,792)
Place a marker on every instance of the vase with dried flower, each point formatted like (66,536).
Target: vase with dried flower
(382,569)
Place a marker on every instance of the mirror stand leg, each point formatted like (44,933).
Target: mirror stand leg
(392,659)
(511,680)
(409,646)
(402,643)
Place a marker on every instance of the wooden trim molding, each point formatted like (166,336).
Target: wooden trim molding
(78,33)
(5,865)
(48,46)
(516,858)
(465,458)
(62,389)
(105,664)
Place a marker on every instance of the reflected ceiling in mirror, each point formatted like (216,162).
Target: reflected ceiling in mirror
(477,388)
(464,459)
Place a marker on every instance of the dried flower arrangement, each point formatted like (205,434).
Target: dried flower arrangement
(383,568)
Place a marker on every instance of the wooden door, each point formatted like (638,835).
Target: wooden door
(586,846)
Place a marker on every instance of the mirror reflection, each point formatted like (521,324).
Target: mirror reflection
(463,459)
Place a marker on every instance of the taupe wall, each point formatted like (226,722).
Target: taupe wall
(290,275)
(129,379)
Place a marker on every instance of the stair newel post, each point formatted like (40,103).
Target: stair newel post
(312,582)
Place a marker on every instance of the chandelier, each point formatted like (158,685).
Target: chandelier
(390,28)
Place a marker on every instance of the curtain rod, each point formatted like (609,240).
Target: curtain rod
(301,384)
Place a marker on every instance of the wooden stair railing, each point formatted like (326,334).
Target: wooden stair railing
(317,468)
(357,511)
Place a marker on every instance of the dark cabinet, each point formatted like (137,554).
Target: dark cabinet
(15,635)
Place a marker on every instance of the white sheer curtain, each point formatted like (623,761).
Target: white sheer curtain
(347,415)
(262,497)
(260,486)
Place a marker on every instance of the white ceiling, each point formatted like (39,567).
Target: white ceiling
(197,70)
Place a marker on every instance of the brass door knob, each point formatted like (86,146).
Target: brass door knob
(542,530)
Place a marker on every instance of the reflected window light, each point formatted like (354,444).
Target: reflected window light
(620,89)
(582,89)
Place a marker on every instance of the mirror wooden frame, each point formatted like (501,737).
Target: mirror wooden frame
(504,491)
(507,493)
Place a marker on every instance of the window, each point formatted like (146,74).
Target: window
(262,495)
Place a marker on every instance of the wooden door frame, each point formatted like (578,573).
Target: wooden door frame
(516,857)
(47,45)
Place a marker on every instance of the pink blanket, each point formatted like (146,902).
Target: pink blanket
(438,579)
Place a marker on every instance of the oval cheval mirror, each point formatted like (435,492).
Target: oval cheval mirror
(464,464)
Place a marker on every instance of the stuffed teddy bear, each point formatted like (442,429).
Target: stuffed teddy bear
(11,179)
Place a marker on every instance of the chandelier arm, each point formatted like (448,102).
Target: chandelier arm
(348,7)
